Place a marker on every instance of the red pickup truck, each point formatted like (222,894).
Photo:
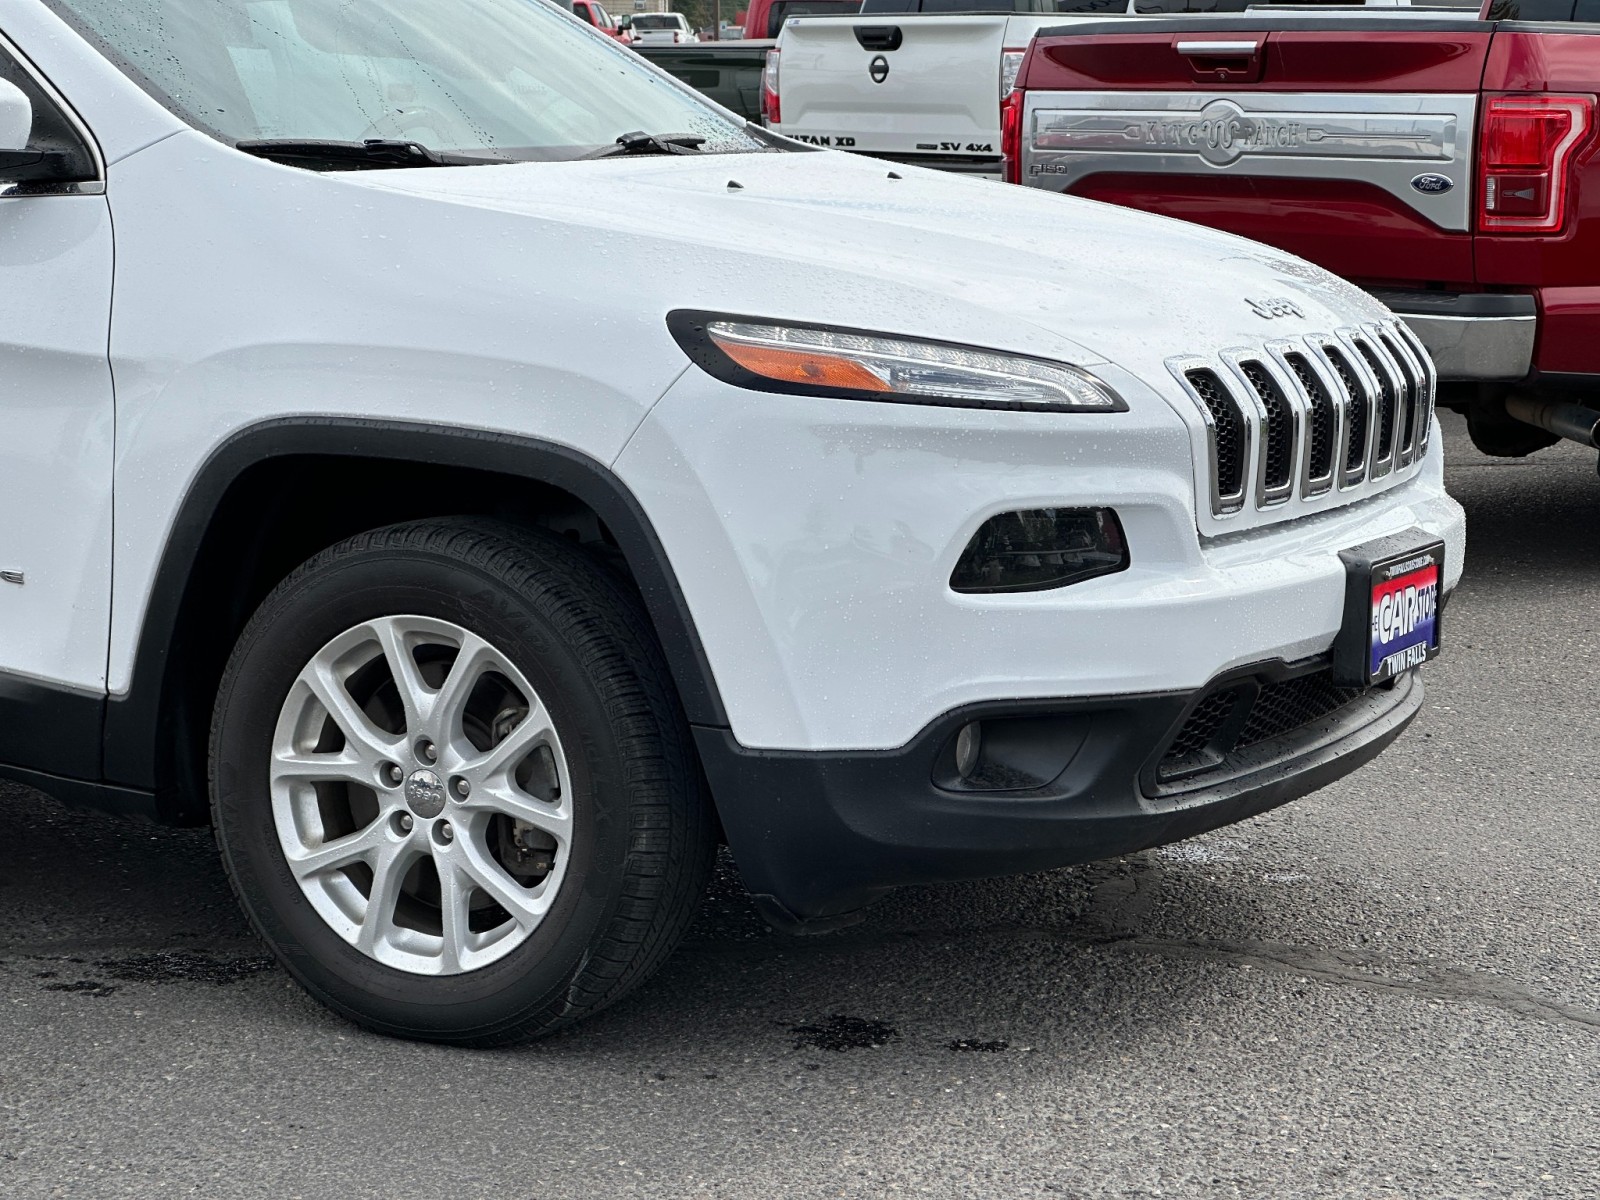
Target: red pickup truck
(1448,163)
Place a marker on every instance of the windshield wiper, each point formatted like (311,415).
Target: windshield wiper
(372,153)
(639,142)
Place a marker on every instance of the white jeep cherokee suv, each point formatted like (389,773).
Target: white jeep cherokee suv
(358,497)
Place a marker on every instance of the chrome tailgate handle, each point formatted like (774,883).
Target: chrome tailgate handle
(1219,49)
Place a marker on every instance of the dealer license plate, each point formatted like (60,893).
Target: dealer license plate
(1391,609)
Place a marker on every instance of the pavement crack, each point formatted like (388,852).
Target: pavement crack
(1451,984)
(1436,983)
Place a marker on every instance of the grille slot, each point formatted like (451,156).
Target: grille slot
(1321,419)
(1387,402)
(1416,391)
(1231,439)
(1360,410)
(1277,439)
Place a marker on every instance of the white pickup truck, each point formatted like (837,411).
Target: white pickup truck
(921,81)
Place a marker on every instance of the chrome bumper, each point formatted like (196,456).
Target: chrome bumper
(1477,337)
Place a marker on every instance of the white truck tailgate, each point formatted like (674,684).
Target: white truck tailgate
(919,85)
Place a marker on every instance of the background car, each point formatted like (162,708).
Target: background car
(660,29)
(595,14)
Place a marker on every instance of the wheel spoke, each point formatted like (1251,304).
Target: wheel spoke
(513,748)
(557,822)
(474,657)
(323,768)
(388,872)
(403,668)
(361,736)
(454,893)
(526,909)
(340,852)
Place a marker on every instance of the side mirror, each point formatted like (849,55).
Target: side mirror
(47,161)
(16,117)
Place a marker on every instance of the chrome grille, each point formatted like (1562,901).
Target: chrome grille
(1277,432)
(1358,407)
(1430,385)
(1415,388)
(1388,399)
(1307,415)
(1229,439)
(1322,425)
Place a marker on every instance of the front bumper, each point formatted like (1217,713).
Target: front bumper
(819,835)
(814,541)
(1477,337)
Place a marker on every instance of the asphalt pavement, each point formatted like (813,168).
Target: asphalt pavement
(1391,987)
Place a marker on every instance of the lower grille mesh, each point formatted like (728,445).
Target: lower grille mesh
(1203,724)
(1293,703)
(1273,709)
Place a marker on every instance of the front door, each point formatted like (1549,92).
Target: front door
(56,438)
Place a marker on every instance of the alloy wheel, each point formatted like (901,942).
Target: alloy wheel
(420,795)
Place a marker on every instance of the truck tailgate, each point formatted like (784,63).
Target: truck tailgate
(1349,141)
(922,85)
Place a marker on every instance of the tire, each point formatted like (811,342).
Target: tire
(458,898)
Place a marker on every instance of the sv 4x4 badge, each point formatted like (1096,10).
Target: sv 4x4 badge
(1274,306)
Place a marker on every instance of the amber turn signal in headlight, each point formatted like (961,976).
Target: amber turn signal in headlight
(813,360)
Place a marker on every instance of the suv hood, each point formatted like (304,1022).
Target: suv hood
(829,237)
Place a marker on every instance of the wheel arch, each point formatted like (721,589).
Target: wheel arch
(224,552)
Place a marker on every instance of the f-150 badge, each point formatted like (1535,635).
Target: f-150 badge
(1274,306)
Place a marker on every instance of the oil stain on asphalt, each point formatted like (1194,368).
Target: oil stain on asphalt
(841,1033)
(184,966)
(164,966)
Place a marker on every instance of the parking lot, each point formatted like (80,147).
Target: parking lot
(1390,987)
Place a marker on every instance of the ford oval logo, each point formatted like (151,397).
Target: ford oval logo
(1433,185)
(878,69)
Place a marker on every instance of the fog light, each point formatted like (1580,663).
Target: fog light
(1039,548)
(969,745)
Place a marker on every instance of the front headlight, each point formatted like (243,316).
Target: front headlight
(813,360)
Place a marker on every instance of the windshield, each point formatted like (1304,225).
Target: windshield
(495,79)
(658,21)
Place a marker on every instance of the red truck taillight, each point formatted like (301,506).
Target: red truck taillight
(771,107)
(1011,136)
(1525,160)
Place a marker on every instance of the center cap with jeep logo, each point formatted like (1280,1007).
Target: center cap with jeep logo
(425,794)
(878,68)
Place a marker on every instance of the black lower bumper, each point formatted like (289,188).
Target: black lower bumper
(819,835)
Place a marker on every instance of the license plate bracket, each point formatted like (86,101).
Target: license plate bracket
(1393,590)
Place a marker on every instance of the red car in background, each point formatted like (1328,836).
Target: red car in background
(764,18)
(594,12)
